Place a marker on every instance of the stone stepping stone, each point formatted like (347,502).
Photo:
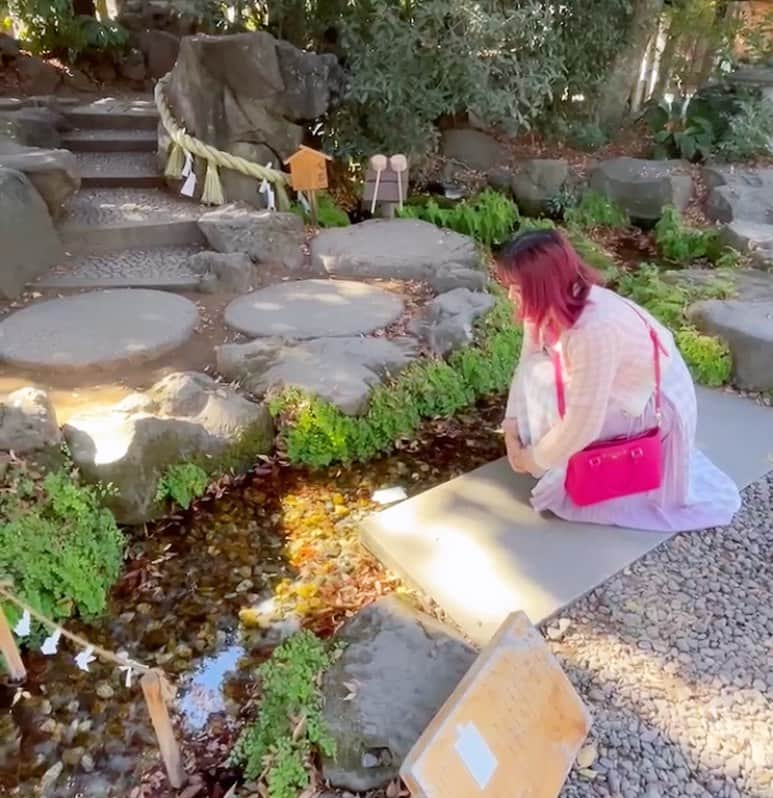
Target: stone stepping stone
(480,551)
(119,170)
(399,249)
(109,112)
(110,141)
(102,329)
(313,309)
(164,268)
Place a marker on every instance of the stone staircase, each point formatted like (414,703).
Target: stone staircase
(122,229)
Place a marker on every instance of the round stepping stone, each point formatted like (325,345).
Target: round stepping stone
(313,309)
(99,329)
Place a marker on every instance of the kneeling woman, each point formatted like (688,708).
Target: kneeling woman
(602,408)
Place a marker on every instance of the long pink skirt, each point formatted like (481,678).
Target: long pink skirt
(694,494)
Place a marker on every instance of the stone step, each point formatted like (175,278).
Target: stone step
(119,170)
(101,220)
(112,114)
(163,268)
(110,140)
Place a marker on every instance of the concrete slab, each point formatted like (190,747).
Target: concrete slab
(477,548)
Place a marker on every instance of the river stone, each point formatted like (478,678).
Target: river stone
(747,328)
(266,236)
(99,329)
(28,421)
(401,666)
(54,173)
(401,249)
(473,148)
(342,371)
(313,309)
(184,415)
(29,243)
(220,272)
(537,182)
(446,323)
(641,187)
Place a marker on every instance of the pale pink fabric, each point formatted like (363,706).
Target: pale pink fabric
(610,380)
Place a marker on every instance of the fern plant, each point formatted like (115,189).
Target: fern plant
(681,244)
(182,483)
(595,210)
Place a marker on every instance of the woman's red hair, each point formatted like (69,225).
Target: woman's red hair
(551,276)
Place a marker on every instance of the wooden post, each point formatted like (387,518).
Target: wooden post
(159,715)
(13,661)
(314,207)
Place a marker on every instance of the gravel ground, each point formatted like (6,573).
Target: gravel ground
(674,657)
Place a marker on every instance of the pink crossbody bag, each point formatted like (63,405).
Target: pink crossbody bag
(620,467)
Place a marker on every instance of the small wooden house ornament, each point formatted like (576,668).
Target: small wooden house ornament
(308,169)
(386,183)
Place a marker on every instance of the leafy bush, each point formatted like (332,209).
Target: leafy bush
(277,746)
(316,433)
(707,357)
(412,63)
(489,218)
(328,213)
(59,546)
(750,132)
(680,131)
(681,244)
(595,210)
(183,483)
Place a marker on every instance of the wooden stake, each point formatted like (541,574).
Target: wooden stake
(159,715)
(314,208)
(13,661)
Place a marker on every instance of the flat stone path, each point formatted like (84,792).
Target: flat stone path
(313,309)
(97,330)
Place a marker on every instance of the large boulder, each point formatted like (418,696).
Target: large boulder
(266,236)
(447,322)
(247,94)
(538,181)
(28,421)
(642,188)
(398,249)
(37,76)
(397,669)
(184,416)
(160,49)
(54,173)
(751,238)
(739,194)
(227,273)
(34,127)
(473,148)
(30,245)
(342,371)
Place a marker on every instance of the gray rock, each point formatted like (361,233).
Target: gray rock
(537,182)
(750,237)
(34,127)
(131,66)
(473,148)
(266,236)
(641,187)
(342,371)
(36,75)
(460,277)
(9,48)
(751,285)
(54,173)
(747,327)
(500,178)
(251,90)
(739,194)
(403,665)
(30,245)
(28,421)
(184,415)
(223,272)
(447,322)
(160,49)
(401,249)
(313,309)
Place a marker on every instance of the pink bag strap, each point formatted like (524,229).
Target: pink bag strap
(657,348)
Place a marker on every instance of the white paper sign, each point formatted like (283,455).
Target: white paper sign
(476,755)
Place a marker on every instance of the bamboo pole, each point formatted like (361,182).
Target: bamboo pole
(152,689)
(10,652)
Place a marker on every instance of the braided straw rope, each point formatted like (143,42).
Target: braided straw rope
(182,143)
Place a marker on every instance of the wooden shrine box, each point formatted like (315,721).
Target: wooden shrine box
(511,729)
(388,187)
(308,169)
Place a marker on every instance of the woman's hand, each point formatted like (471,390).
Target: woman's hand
(520,457)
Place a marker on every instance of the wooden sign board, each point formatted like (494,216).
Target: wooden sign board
(511,729)
(308,169)
(388,186)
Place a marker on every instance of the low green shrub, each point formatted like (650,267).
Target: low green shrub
(59,546)
(279,743)
(315,433)
(328,213)
(681,130)
(595,210)
(707,357)
(489,218)
(750,132)
(182,483)
(680,244)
